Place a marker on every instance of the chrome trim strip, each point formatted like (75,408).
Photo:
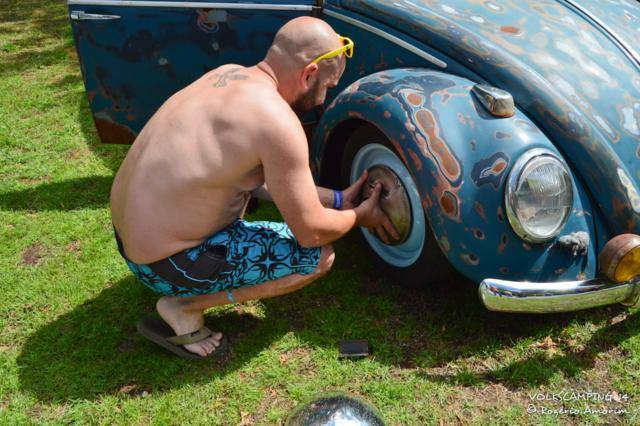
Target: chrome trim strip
(78,15)
(527,297)
(622,44)
(387,36)
(192,5)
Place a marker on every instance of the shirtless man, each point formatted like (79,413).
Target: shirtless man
(178,200)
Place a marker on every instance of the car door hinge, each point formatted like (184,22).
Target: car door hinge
(317,9)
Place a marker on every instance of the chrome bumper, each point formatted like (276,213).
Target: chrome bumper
(514,296)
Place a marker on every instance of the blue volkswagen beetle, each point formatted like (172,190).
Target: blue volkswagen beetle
(506,133)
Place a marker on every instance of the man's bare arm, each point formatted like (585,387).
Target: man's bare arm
(325,195)
(285,159)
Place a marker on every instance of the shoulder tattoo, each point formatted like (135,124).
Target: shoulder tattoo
(232,74)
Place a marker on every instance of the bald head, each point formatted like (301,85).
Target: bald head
(301,40)
(301,83)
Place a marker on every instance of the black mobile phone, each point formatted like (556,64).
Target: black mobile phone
(353,348)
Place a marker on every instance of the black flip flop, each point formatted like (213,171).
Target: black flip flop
(159,332)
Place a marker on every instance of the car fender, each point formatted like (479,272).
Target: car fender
(459,156)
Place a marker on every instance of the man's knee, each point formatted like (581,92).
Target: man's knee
(327,256)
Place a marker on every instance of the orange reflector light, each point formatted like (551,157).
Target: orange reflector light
(620,258)
(629,266)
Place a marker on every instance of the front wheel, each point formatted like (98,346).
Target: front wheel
(417,260)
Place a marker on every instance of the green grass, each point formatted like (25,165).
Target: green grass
(68,304)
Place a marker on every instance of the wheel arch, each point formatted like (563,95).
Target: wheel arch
(459,156)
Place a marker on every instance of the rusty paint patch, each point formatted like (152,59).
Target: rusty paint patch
(632,193)
(500,215)
(449,204)
(479,208)
(490,170)
(111,132)
(444,243)
(503,243)
(478,234)
(470,259)
(387,115)
(445,159)
(209,19)
(399,151)
(426,202)
(417,162)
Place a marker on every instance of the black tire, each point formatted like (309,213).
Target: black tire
(431,266)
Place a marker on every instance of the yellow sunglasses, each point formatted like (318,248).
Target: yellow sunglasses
(347,48)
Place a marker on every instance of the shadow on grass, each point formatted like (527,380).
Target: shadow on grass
(94,349)
(472,332)
(72,194)
(539,368)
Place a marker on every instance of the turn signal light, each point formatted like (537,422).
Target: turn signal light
(620,258)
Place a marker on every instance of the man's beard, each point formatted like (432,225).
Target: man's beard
(306,102)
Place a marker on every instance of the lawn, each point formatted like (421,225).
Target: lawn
(69,352)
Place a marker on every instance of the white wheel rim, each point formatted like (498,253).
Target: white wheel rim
(405,254)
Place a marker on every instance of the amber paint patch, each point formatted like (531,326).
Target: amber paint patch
(509,29)
(499,166)
(414,99)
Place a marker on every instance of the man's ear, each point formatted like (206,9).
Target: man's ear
(308,73)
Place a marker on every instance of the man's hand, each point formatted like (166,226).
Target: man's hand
(370,215)
(352,193)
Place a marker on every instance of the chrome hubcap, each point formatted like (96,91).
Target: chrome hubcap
(394,200)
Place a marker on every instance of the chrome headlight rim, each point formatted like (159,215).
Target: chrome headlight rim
(510,194)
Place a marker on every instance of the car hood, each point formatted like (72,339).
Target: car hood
(571,76)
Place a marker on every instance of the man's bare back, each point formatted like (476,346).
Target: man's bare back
(190,171)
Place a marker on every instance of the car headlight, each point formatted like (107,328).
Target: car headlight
(539,195)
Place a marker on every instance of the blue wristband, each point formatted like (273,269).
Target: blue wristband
(337,199)
(230,297)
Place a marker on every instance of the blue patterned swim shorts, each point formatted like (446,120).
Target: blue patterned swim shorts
(242,254)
